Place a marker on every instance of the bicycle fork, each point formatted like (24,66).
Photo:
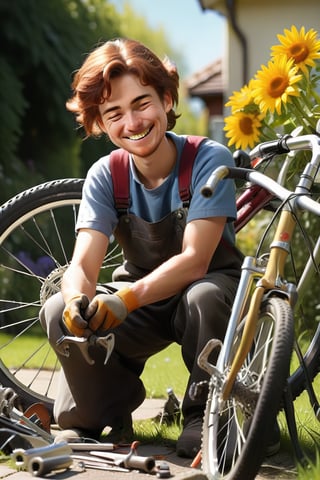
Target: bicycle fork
(250,270)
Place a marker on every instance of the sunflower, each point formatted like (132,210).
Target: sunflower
(243,99)
(243,129)
(302,47)
(275,83)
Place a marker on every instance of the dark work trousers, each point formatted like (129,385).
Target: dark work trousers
(91,397)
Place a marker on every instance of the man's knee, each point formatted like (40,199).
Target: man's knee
(50,316)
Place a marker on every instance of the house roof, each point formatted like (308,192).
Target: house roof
(208,81)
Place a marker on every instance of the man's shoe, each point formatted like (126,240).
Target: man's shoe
(189,442)
(121,430)
(74,435)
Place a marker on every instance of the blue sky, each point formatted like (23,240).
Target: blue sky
(200,34)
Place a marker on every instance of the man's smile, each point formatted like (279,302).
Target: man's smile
(138,136)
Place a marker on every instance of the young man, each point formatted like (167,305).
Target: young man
(181,267)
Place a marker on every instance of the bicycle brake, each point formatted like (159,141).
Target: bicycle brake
(107,342)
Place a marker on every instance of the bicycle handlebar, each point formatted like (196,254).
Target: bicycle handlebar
(285,144)
(258,178)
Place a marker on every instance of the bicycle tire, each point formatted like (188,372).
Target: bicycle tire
(235,431)
(297,381)
(311,357)
(36,243)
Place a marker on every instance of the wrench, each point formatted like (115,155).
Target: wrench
(107,342)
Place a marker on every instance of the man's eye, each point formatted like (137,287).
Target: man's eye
(144,105)
(113,118)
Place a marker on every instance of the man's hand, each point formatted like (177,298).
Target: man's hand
(73,316)
(108,311)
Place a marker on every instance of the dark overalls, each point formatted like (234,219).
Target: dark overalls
(92,396)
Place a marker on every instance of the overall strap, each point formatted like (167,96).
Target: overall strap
(188,155)
(119,167)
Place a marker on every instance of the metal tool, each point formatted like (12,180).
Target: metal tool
(88,461)
(9,411)
(41,466)
(128,460)
(23,457)
(86,446)
(107,342)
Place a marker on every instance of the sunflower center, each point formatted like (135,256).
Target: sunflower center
(278,86)
(245,125)
(299,52)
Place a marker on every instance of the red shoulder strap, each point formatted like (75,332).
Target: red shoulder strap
(119,167)
(188,155)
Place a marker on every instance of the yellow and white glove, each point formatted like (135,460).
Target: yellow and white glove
(73,316)
(108,311)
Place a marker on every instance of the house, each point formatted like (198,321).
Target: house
(252,28)
(208,84)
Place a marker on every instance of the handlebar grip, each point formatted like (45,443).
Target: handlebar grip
(219,174)
(272,147)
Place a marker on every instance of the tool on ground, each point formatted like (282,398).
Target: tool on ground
(130,460)
(89,461)
(22,457)
(163,470)
(86,446)
(106,342)
(41,466)
(43,460)
(197,460)
(12,418)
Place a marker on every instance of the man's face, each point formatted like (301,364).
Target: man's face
(134,117)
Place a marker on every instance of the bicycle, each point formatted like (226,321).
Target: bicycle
(251,382)
(36,241)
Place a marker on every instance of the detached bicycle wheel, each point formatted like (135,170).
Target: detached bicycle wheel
(37,234)
(236,431)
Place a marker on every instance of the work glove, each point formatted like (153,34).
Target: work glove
(73,316)
(109,310)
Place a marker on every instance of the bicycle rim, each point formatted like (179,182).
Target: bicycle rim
(36,243)
(235,431)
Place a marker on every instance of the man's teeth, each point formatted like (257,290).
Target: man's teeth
(139,135)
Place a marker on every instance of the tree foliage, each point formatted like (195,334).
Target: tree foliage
(42,43)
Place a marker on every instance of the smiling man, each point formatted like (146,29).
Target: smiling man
(181,267)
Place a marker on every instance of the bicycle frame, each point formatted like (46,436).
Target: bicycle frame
(270,274)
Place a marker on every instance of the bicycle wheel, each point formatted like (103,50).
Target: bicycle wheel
(235,431)
(36,243)
(306,359)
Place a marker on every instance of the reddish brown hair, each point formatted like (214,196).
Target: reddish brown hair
(91,84)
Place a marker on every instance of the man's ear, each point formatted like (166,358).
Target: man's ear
(167,102)
(100,124)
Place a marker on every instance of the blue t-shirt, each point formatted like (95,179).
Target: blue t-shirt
(97,210)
